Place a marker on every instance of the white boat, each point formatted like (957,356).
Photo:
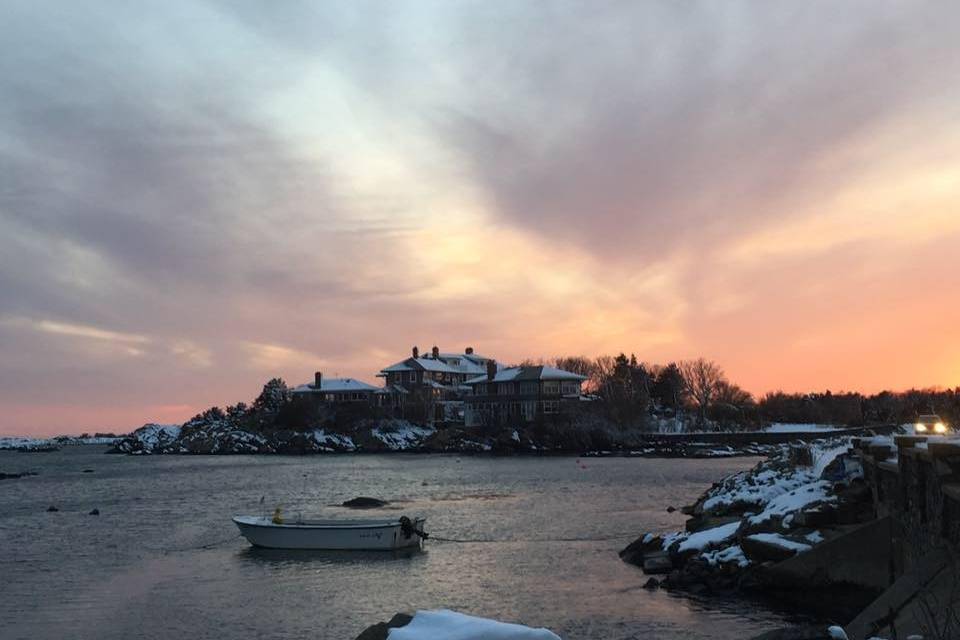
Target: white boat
(357,535)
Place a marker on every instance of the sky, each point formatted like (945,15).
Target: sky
(198,196)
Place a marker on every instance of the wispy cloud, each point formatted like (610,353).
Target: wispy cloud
(95,333)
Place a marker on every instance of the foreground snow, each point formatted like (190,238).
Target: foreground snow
(450,625)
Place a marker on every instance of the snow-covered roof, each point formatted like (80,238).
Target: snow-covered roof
(335,385)
(420,364)
(529,373)
(393,388)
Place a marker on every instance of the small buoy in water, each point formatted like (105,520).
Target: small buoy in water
(95,512)
(51,509)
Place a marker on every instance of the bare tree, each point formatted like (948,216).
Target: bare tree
(703,380)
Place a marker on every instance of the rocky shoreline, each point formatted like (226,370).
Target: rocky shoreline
(744,531)
(220,437)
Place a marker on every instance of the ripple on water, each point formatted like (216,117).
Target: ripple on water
(552,532)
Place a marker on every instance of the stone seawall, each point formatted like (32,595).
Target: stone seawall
(915,482)
(736,438)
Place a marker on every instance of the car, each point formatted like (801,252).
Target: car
(930,424)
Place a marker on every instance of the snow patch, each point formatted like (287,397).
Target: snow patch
(726,556)
(709,537)
(402,436)
(451,625)
(778,540)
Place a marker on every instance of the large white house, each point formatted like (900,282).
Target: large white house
(433,384)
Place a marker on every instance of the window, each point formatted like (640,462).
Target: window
(438,375)
(551,406)
(506,388)
(481,389)
(528,388)
(570,388)
(551,388)
(412,376)
(329,397)
(529,411)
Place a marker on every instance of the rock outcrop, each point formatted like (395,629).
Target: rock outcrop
(381,630)
(749,522)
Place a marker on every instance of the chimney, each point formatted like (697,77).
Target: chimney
(416,353)
(491,369)
(436,352)
(317,379)
(469,351)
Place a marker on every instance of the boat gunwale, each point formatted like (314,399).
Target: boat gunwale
(265,523)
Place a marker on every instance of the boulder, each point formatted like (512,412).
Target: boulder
(95,512)
(658,562)
(761,551)
(380,630)
(13,476)
(364,502)
(651,584)
(52,509)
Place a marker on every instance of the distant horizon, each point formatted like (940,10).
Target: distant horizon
(183,413)
(197,196)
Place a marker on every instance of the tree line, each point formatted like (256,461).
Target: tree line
(632,393)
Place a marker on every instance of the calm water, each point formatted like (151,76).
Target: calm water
(551,528)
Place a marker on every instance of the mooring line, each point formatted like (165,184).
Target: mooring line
(209,545)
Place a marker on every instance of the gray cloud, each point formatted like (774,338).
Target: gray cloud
(648,126)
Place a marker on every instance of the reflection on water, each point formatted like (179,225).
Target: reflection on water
(541,540)
(322,556)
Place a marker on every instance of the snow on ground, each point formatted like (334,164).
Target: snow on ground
(804,496)
(15,442)
(786,427)
(778,540)
(450,625)
(402,435)
(726,556)
(344,442)
(154,435)
(815,537)
(823,456)
(709,537)
(755,490)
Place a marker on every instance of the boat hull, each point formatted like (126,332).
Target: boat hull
(356,535)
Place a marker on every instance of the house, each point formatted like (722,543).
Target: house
(521,394)
(431,387)
(336,390)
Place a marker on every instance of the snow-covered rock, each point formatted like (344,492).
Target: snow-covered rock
(755,516)
(27,444)
(400,435)
(451,625)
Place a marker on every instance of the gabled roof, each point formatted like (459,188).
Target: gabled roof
(422,364)
(528,373)
(335,385)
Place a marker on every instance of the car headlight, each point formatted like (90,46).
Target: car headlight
(940,427)
(920,428)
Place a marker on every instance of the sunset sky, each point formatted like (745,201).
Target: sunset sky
(198,196)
